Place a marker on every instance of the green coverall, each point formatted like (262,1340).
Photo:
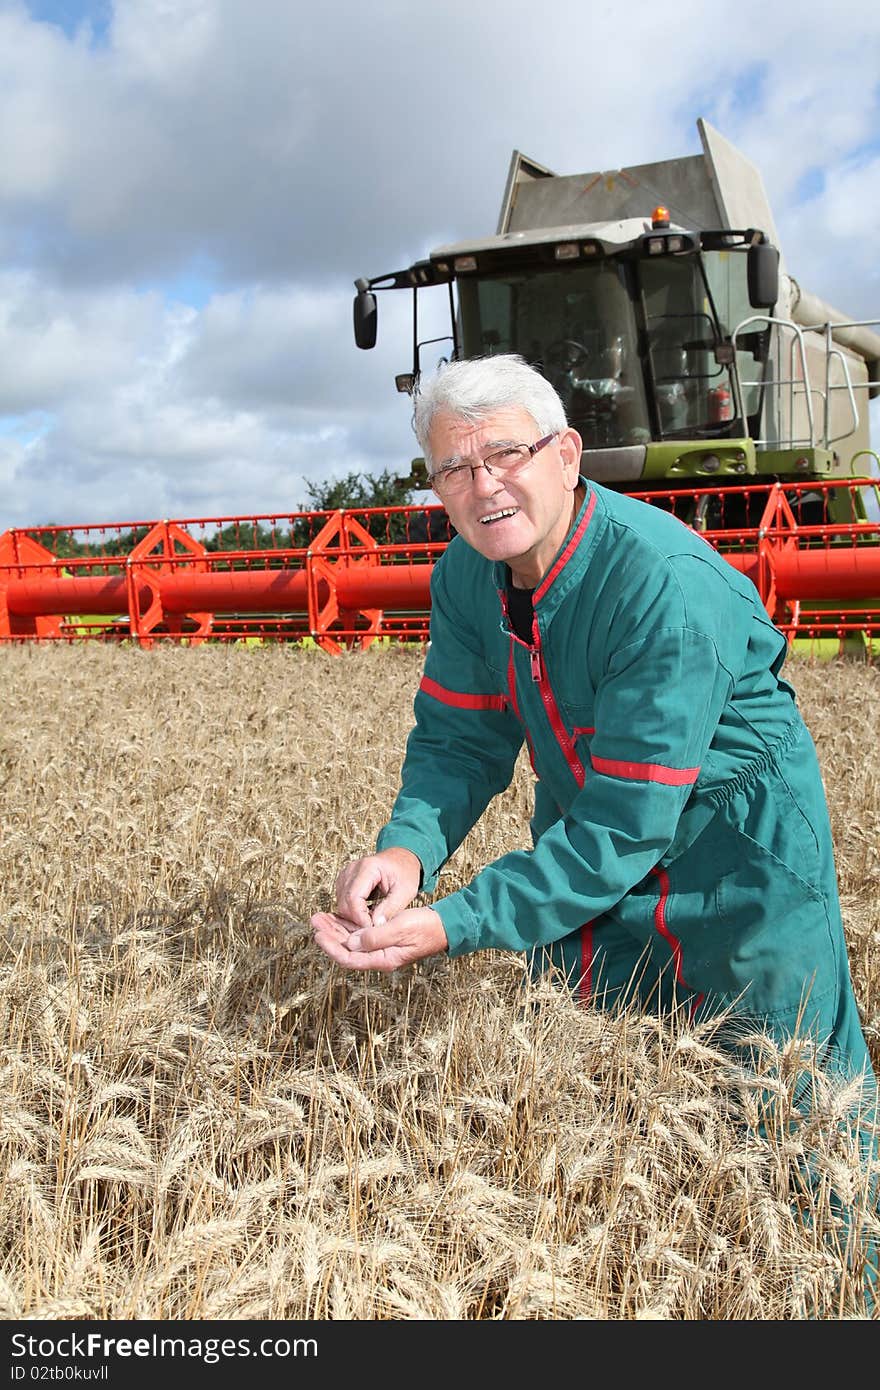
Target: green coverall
(682,846)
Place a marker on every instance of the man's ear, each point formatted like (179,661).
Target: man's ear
(570,446)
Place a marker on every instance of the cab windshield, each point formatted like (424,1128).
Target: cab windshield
(583,327)
(578,327)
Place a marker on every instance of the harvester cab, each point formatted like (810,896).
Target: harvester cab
(657,302)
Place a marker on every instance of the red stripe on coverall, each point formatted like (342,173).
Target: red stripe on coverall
(511,675)
(563,737)
(585,984)
(647,772)
(672,941)
(459,700)
(511,689)
(539,674)
(573,544)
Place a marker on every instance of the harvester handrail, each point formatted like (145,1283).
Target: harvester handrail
(831,351)
(791,381)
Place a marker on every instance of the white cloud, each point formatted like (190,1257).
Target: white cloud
(290,157)
(57,345)
(125,404)
(841,253)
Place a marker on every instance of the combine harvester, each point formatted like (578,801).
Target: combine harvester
(700,375)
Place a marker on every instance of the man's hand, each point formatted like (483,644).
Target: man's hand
(407,937)
(393,876)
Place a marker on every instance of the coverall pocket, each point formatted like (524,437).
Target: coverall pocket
(773,947)
(765,817)
(760,884)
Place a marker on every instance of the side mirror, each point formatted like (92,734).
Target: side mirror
(365,316)
(762,272)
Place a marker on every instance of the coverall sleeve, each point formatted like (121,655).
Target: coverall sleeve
(656,711)
(462,749)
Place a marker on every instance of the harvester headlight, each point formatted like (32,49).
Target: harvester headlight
(669,243)
(567,251)
(465,263)
(592,248)
(710,463)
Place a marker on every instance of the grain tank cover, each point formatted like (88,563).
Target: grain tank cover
(718,188)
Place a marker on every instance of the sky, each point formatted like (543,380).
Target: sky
(190,188)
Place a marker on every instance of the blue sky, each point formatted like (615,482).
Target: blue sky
(189,188)
(70,15)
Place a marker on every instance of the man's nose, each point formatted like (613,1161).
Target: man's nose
(483,481)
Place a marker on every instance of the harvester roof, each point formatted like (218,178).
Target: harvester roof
(609,237)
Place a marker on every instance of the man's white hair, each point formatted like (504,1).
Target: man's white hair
(478,386)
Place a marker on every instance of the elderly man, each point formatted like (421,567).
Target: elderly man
(682,851)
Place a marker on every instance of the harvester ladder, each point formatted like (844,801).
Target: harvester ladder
(801,385)
(797,385)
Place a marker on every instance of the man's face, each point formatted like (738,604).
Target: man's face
(522,519)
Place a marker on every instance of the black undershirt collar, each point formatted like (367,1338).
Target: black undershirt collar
(520,611)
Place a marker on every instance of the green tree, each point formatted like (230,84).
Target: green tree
(358,492)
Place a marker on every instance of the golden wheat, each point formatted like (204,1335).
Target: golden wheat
(201,1117)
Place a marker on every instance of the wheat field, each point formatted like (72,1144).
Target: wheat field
(202,1118)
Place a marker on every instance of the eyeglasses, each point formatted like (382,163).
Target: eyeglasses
(502,463)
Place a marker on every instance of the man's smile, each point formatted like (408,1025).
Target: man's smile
(500,515)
